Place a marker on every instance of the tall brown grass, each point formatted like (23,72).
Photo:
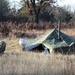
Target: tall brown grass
(18,29)
(14,61)
(30,63)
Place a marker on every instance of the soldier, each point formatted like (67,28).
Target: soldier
(2,47)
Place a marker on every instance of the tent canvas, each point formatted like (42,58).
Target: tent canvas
(50,40)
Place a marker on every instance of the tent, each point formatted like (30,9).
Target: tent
(50,41)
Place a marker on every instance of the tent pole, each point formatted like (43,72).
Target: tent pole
(59,24)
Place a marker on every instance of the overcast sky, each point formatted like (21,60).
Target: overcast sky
(15,0)
(60,2)
(15,3)
(67,2)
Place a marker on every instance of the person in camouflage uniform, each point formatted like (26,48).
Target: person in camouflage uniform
(2,47)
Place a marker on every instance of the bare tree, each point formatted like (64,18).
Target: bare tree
(35,6)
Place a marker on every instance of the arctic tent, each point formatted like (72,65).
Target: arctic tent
(52,43)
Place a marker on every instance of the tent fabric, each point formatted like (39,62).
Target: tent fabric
(31,47)
(50,40)
(22,42)
(46,51)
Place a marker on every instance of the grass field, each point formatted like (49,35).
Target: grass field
(29,63)
(17,62)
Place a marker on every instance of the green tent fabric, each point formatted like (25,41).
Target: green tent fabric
(51,41)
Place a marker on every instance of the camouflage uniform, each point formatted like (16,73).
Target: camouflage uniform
(2,46)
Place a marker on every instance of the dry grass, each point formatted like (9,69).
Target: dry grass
(29,63)
(70,32)
(12,28)
(18,62)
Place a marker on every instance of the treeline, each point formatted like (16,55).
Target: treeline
(43,10)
